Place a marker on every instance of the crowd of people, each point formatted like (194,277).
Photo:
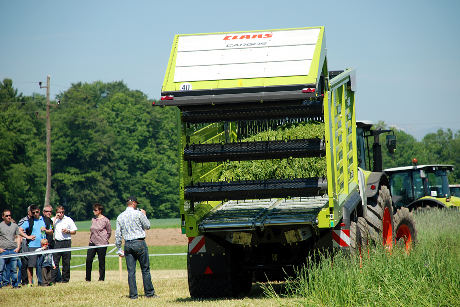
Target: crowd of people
(40,232)
(36,232)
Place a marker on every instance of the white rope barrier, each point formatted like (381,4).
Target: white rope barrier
(94,260)
(53,251)
(72,249)
(150,255)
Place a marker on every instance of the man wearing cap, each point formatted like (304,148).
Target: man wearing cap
(131,226)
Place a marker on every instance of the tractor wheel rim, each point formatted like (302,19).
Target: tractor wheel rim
(387,229)
(405,233)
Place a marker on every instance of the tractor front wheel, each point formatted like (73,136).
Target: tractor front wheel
(405,228)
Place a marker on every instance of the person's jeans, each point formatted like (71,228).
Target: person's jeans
(65,260)
(38,270)
(136,250)
(89,261)
(10,265)
(19,264)
(5,280)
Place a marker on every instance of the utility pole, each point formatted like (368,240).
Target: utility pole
(48,141)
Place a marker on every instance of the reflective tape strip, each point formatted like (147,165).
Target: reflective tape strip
(341,237)
(196,245)
(53,251)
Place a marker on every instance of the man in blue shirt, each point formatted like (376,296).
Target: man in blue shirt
(35,230)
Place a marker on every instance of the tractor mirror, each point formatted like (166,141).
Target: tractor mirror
(391,143)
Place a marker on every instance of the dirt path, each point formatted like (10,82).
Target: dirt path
(155,237)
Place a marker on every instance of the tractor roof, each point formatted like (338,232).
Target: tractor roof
(421,167)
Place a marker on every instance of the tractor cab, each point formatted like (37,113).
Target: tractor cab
(455,190)
(366,137)
(421,186)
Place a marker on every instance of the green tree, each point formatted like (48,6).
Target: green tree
(82,152)
(111,143)
(442,147)
(22,150)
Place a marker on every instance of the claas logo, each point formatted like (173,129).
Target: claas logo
(247,36)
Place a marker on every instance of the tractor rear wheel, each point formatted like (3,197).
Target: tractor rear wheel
(232,281)
(358,236)
(207,285)
(405,228)
(379,217)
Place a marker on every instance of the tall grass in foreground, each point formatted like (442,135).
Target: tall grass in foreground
(428,276)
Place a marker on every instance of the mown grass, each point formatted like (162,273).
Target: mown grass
(159,262)
(171,286)
(428,276)
(154,223)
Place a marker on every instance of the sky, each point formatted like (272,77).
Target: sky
(406,53)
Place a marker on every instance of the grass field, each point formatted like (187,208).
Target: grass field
(428,276)
(154,223)
(159,262)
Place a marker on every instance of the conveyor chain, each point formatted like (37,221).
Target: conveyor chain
(272,188)
(240,151)
(310,109)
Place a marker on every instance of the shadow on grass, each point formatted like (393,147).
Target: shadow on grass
(258,291)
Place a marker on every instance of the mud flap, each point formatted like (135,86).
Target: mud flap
(206,257)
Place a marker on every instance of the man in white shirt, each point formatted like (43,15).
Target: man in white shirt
(64,227)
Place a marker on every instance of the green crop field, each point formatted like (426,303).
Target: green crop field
(154,223)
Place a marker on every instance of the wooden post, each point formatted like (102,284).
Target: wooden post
(119,266)
(48,142)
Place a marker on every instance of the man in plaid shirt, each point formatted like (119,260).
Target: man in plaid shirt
(131,226)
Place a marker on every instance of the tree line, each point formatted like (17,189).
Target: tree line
(108,143)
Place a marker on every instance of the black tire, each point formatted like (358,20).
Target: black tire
(379,217)
(234,282)
(243,282)
(405,230)
(207,286)
(358,236)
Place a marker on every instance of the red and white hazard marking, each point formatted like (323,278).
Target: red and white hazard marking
(196,245)
(341,237)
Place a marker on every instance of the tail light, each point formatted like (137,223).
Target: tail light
(168,97)
(308,90)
